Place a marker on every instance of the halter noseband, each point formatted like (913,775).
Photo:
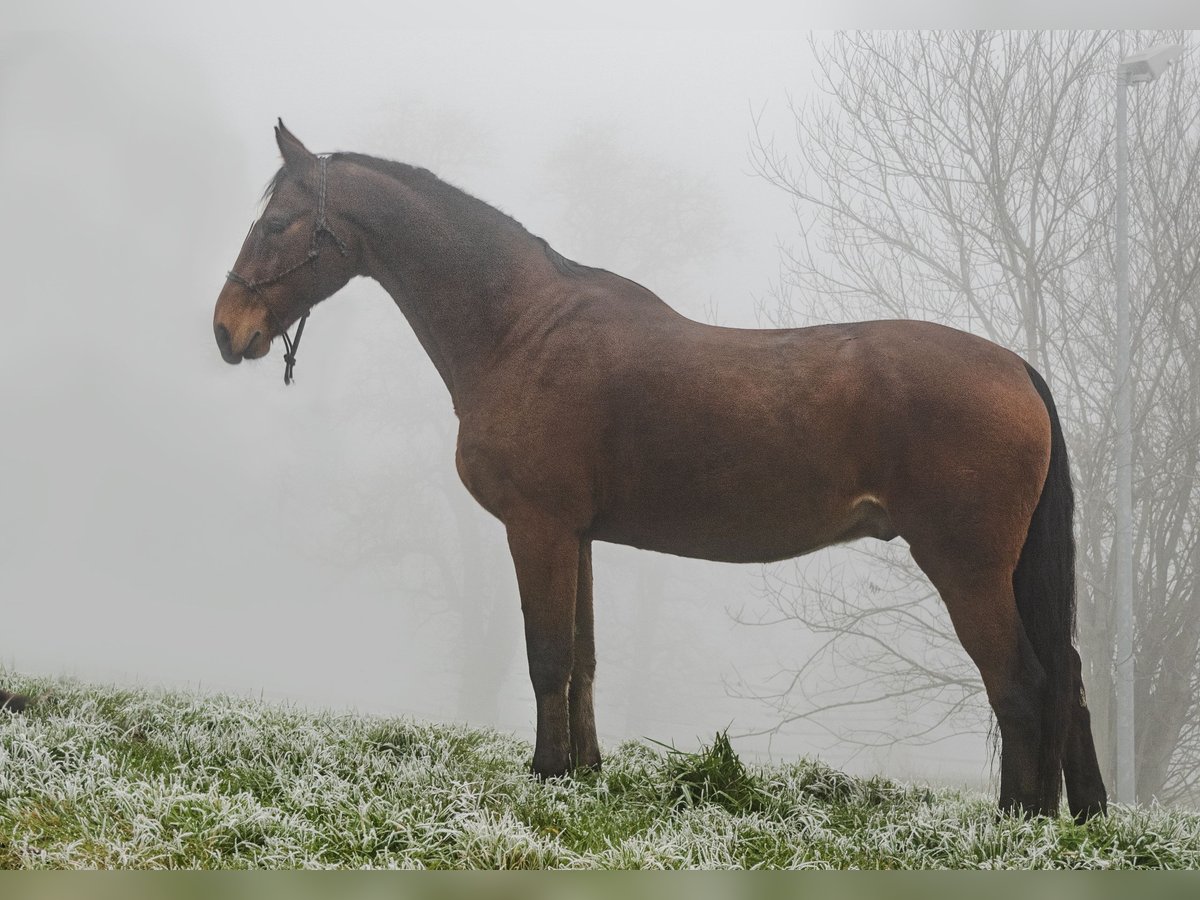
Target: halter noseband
(314,251)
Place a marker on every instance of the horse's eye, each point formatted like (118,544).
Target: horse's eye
(274,225)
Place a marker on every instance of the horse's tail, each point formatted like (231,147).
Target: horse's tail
(1044,584)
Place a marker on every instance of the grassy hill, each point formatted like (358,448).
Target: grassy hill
(99,777)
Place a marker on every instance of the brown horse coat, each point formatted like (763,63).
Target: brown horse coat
(590,410)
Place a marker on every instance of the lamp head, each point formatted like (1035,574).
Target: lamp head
(1149,64)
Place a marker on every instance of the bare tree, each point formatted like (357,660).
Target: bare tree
(967,178)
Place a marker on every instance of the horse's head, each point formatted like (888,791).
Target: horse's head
(294,256)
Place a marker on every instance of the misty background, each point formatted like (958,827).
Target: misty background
(167,519)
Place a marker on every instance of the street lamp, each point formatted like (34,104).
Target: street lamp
(1135,69)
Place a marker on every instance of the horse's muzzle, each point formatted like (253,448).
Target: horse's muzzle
(252,348)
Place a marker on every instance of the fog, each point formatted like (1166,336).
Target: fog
(166,519)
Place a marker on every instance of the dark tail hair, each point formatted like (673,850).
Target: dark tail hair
(1044,584)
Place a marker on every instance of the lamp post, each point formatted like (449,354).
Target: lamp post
(1140,67)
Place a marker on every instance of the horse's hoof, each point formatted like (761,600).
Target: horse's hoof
(543,769)
(1091,811)
(585,764)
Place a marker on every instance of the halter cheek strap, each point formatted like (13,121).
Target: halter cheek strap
(314,251)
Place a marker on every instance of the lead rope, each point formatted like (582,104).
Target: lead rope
(290,346)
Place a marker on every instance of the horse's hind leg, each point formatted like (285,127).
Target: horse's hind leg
(1086,795)
(585,749)
(983,609)
(546,557)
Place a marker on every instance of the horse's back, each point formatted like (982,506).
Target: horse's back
(753,445)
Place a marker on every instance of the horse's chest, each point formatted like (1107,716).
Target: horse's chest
(513,471)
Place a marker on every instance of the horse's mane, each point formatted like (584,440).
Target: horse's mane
(457,201)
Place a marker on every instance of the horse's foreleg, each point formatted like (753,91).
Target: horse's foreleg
(1086,795)
(546,557)
(585,748)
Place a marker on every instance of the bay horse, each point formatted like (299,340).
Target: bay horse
(590,410)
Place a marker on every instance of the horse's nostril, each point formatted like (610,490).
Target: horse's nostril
(223,339)
(250,348)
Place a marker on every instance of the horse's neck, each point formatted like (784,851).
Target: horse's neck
(457,338)
(460,285)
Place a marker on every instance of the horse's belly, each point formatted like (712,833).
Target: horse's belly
(718,548)
(785,525)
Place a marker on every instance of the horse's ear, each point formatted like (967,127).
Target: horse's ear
(296,156)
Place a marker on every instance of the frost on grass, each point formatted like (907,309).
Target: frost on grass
(95,777)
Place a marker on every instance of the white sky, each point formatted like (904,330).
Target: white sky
(167,510)
(166,518)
